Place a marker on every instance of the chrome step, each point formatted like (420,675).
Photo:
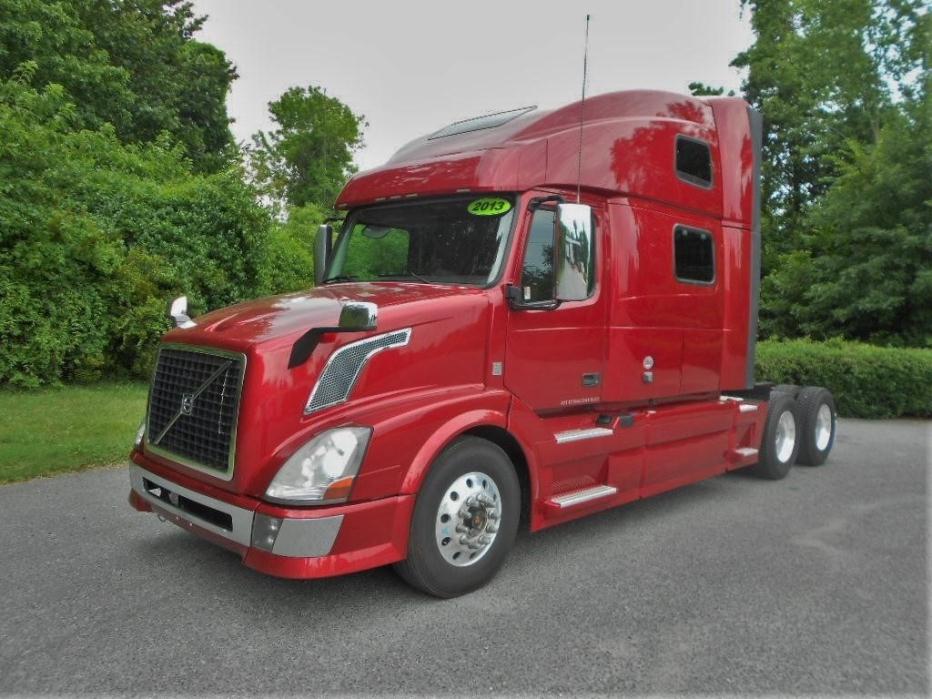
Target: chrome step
(578,497)
(579,435)
(743,456)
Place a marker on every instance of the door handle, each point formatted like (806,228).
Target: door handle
(593,379)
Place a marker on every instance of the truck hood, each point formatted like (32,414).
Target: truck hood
(290,315)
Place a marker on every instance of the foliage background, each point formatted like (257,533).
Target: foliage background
(866,380)
(121,185)
(843,86)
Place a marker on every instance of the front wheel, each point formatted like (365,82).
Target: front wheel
(465,520)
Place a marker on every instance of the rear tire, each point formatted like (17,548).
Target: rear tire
(780,444)
(791,390)
(465,520)
(817,419)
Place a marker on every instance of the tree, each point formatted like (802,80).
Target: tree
(843,89)
(130,63)
(308,157)
(700,89)
(96,236)
(811,75)
(865,271)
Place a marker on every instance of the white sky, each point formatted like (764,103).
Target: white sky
(412,66)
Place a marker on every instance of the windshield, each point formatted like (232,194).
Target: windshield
(449,241)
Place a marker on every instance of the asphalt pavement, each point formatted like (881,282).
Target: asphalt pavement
(815,584)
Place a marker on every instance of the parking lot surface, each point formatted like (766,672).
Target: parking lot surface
(814,584)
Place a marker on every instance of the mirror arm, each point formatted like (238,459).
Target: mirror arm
(355,316)
(538,202)
(323,247)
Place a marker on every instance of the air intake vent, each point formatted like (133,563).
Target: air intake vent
(344,367)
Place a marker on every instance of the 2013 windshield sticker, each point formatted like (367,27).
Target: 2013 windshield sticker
(489,206)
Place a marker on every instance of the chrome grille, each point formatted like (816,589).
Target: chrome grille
(343,369)
(193,407)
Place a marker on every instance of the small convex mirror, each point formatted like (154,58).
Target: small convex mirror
(574,252)
(178,311)
(358,315)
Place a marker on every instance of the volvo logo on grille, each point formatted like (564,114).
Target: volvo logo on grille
(187,403)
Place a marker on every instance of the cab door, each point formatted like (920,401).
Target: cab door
(555,353)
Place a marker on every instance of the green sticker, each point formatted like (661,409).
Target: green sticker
(489,206)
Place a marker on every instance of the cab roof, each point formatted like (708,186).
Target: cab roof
(628,149)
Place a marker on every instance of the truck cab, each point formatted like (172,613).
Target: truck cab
(522,319)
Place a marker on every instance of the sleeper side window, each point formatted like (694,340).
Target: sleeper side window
(695,255)
(537,273)
(694,161)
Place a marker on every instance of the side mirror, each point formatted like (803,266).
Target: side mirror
(322,244)
(574,252)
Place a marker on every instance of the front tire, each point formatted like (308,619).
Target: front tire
(465,520)
(780,444)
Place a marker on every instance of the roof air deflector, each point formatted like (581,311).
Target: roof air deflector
(487,121)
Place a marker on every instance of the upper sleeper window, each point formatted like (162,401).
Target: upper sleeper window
(694,161)
(695,255)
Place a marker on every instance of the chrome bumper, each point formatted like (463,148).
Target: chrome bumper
(298,538)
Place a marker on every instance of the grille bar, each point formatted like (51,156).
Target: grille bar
(194,405)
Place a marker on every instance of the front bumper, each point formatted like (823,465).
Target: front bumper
(306,542)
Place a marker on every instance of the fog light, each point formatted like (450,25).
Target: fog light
(264,531)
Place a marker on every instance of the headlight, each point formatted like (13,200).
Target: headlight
(322,471)
(140,434)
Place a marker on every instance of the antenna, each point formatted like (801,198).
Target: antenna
(582,105)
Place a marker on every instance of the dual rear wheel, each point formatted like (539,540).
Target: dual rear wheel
(800,428)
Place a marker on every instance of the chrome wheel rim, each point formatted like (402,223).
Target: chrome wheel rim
(468,519)
(786,436)
(823,427)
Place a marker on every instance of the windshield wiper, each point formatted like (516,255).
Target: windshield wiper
(341,278)
(405,275)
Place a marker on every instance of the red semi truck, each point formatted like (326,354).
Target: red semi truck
(525,318)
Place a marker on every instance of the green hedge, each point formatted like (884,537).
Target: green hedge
(97,236)
(867,381)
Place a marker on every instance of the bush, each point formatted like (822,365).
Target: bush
(96,236)
(289,264)
(867,381)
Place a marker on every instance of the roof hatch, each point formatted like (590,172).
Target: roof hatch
(479,123)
